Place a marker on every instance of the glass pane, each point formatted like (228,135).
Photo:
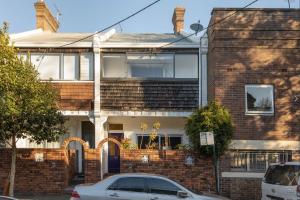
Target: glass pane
(133,184)
(86,66)
(114,66)
(283,175)
(151,66)
(144,141)
(160,186)
(259,98)
(186,66)
(47,65)
(173,141)
(71,67)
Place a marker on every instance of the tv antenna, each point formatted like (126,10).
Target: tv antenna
(58,13)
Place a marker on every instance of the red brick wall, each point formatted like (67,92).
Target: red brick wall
(75,96)
(170,163)
(257,46)
(49,176)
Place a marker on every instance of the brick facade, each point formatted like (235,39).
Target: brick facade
(171,163)
(255,46)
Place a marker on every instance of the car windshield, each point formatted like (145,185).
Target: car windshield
(283,175)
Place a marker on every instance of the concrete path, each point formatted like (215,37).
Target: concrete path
(46,197)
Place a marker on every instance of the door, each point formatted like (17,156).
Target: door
(88,135)
(114,153)
(127,188)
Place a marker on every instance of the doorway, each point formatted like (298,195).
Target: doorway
(88,135)
(114,153)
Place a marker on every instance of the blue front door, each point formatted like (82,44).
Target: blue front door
(114,153)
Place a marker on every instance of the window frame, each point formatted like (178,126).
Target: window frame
(160,145)
(128,71)
(62,65)
(247,112)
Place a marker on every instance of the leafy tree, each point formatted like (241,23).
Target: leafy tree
(28,105)
(215,118)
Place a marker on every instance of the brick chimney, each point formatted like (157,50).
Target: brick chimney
(178,19)
(44,18)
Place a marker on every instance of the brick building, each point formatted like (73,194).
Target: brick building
(111,82)
(253,70)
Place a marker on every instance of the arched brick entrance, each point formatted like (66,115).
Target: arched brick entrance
(99,150)
(70,170)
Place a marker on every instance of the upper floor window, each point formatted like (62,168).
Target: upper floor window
(150,65)
(259,99)
(64,66)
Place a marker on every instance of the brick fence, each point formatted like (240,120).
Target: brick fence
(49,176)
(171,163)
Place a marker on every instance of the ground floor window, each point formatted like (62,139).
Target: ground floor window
(257,161)
(173,141)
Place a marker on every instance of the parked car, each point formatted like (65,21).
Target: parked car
(7,198)
(136,186)
(281,182)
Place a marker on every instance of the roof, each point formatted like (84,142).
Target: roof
(147,38)
(257,9)
(110,39)
(54,37)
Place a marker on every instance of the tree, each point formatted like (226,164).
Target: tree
(215,118)
(28,105)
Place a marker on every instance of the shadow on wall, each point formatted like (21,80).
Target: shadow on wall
(257,47)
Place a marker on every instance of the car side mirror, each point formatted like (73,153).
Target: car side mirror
(182,194)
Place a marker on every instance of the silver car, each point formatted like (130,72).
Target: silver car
(7,198)
(135,186)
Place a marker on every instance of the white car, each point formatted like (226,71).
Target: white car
(136,186)
(280,182)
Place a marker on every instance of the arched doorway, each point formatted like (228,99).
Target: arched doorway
(72,159)
(112,141)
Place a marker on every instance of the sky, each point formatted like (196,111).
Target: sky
(94,15)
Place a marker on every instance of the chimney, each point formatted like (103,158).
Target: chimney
(44,18)
(178,19)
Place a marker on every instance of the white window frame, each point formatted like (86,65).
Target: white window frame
(247,112)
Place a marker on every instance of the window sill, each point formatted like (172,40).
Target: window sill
(259,113)
(243,175)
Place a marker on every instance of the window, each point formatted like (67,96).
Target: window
(47,65)
(64,66)
(71,67)
(132,184)
(114,65)
(283,175)
(160,186)
(259,99)
(161,65)
(173,141)
(256,161)
(186,66)
(151,66)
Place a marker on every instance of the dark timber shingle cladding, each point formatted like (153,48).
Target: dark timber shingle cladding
(139,95)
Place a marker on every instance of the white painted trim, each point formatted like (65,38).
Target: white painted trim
(25,34)
(242,175)
(145,45)
(67,81)
(107,35)
(76,113)
(265,145)
(145,113)
(53,44)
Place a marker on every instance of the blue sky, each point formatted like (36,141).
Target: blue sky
(93,15)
